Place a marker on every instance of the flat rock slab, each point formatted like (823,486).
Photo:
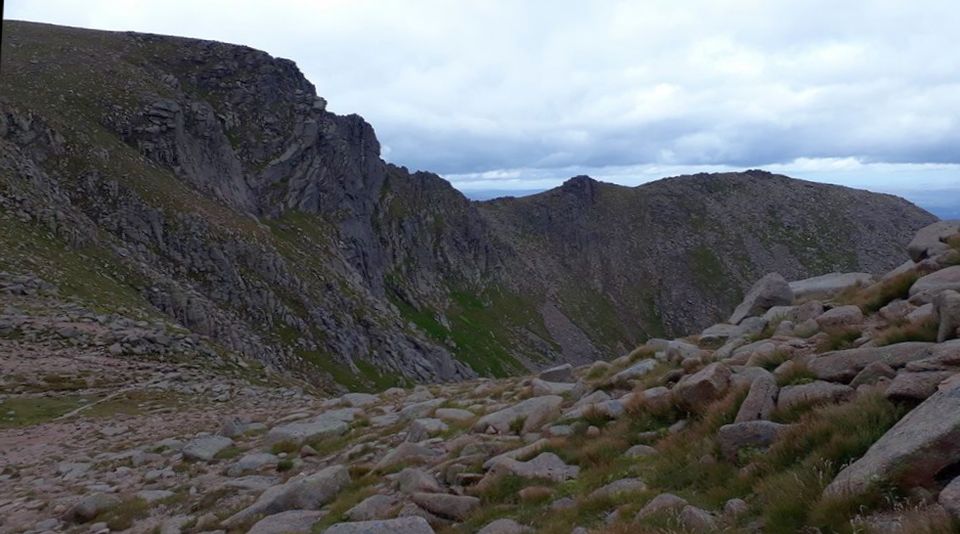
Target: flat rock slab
(830,284)
(843,365)
(938,281)
(530,415)
(456,507)
(547,466)
(299,493)
(300,432)
(289,522)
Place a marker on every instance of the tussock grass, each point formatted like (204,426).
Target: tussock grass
(920,331)
(838,340)
(873,297)
(795,374)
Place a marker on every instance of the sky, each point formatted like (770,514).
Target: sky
(501,96)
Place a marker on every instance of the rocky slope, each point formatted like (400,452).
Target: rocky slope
(828,404)
(206,187)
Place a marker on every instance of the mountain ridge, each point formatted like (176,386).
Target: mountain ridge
(213,184)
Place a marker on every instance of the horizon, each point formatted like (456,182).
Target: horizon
(808,97)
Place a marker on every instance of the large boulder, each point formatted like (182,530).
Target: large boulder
(205,448)
(830,284)
(635,371)
(917,448)
(400,525)
(91,506)
(843,365)
(703,387)
(771,290)
(760,400)
(299,493)
(840,318)
(916,385)
(946,307)
(528,415)
(931,240)
(935,282)
(455,507)
(546,465)
(560,373)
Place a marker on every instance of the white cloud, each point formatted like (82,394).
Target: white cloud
(512,93)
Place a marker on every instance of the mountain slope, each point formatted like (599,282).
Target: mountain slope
(206,184)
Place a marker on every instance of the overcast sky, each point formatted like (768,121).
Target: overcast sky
(509,95)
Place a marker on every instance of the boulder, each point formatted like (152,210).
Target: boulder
(699,389)
(504,526)
(916,386)
(406,452)
(299,432)
(665,502)
(771,290)
(697,519)
(308,492)
(749,434)
(946,307)
(542,387)
(917,447)
(760,400)
(638,451)
(456,507)
(949,498)
(546,466)
(530,415)
(560,373)
(359,400)
(937,281)
(931,240)
(289,522)
(840,318)
(420,409)
(872,374)
(412,480)
(843,365)
(817,392)
(251,462)
(453,415)
(400,525)
(830,284)
(204,449)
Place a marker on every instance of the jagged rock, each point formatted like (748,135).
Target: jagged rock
(421,429)
(760,400)
(946,307)
(560,373)
(699,389)
(665,502)
(289,522)
(373,507)
(299,493)
(917,448)
(840,318)
(816,392)
(929,241)
(529,415)
(935,282)
(771,290)
(843,365)
(205,448)
(916,386)
(400,525)
(320,427)
(749,434)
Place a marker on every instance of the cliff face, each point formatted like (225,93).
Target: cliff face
(206,183)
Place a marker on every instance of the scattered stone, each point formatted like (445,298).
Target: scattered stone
(840,318)
(319,428)
(205,448)
(299,493)
(828,285)
(454,415)
(624,485)
(91,506)
(749,434)
(699,389)
(635,371)
(560,373)
(373,507)
(935,282)
(843,365)
(697,519)
(456,507)
(289,522)
(665,502)
(916,386)
(546,466)
(930,240)
(817,392)
(760,400)
(640,450)
(400,525)
(504,526)
(529,415)
(421,429)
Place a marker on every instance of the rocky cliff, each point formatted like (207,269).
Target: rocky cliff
(205,187)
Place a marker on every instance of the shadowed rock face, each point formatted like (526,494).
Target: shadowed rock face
(215,188)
